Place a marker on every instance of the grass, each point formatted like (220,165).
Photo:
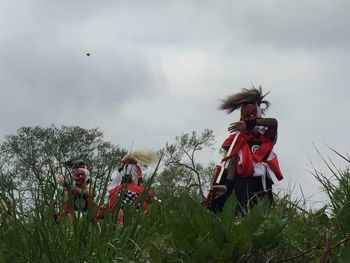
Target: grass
(179,229)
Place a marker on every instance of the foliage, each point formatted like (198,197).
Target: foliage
(177,229)
(31,159)
(182,172)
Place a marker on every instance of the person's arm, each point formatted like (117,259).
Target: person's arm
(227,186)
(270,123)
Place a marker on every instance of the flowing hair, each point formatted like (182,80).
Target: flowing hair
(246,96)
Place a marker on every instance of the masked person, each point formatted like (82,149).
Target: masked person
(79,195)
(126,186)
(252,165)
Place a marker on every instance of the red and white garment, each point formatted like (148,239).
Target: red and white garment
(129,194)
(261,162)
(128,169)
(126,192)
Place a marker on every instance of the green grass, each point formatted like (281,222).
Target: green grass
(179,229)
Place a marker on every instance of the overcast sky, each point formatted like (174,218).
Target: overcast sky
(159,68)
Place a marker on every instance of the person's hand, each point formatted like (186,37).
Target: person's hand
(237,126)
(219,190)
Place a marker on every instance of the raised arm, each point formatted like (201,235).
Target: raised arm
(248,125)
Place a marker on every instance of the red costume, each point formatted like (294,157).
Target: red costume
(79,196)
(127,184)
(131,195)
(252,149)
(254,166)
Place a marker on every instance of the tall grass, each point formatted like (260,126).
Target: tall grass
(179,229)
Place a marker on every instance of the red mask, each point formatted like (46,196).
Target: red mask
(248,111)
(79,176)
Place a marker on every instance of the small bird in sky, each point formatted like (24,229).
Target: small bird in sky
(88,54)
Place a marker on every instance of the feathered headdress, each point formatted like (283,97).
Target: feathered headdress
(246,96)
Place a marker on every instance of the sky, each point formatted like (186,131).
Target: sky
(159,69)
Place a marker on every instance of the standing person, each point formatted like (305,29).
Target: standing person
(78,196)
(252,165)
(127,184)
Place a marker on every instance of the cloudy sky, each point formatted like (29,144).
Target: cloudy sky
(159,68)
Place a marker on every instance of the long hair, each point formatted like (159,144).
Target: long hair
(246,96)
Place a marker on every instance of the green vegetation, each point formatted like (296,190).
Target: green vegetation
(177,229)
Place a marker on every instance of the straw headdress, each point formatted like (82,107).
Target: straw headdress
(145,157)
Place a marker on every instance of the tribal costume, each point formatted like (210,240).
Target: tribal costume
(79,196)
(254,165)
(127,184)
(81,199)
